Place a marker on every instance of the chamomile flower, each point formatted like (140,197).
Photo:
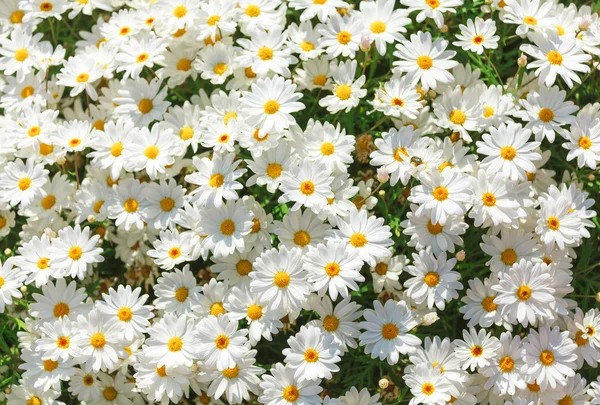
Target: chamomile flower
(109,145)
(283,388)
(434,9)
(302,229)
(347,92)
(216,63)
(177,292)
(509,247)
(80,72)
(477,348)
(584,142)
(12,281)
(34,260)
(428,386)
(21,182)
(221,344)
(398,98)
(339,321)
(459,111)
(124,205)
(98,341)
(477,35)
(524,293)
(556,55)
(141,101)
(386,331)
(383,24)
(265,53)
(74,252)
(312,354)
(528,14)
(433,280)
(172,341)
(557,223)
(57,341)
(424,60)
(59,300)
(135,55)
(308,185)
(504,374)
(126,308)
(333,268)
(151,150)
(226,227)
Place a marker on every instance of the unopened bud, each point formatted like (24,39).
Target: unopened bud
(591,177)
(461,255)
(61,160)
(7,252)
(384,383)
(365,43)
(49,233)
(598,297)
(444,28)
(23,289)
(488,2)
(430,318)
(432,94)
(381,193)
(522,61)
(91,218)
(382,174)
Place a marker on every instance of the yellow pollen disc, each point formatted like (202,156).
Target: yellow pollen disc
(175,344)
(82,78)
(358,240)
(151,152)
(74,142)
(457,117)
(440,193)
(97,340)
(110,393)
(27,92)
(217,308)
(228,116)
(488,304)
(397,102)
(343,92)
(43,263)
(476,351)
(381,269)
(131,205)
(488,111)
(220,68)
(186,133)
(255,226)
(428,389)
(180,11)
(75,253)
(231,372)
(50,365)
(167,204)
(249,73)
(17,18)
(432,279)
(301,238)
(506,364)
(46,149)
(61,309)
(252,10)
(488,199)
(184,64)
(344,37)
(508,257)
(424,62)
(533,387)
(530,20)
(332,269)
(1,282)
(125,314)
(307,46)
(271,107)
(434,229)
(274,170)
(579,339)
(34,131)
(88,380)
(181,32)
(142,57)
(327,148)
(398,154)
(320,80)
(181,294)
(227,227)
(478,39)
(331,323)
(508,153)
(377,27)
(116,149)
(161,371)
(265,53)
(21,54)
(291,392)
(307,187)
(281,279)
(99,125)
(554,57)
(48,202)
(523,293)
(254,312)
(566,400)
(389,331)
(63,342)
(243,267)
(24,183)
(145,105)
(433,4)
(553,223)
(311,356)
(547,357)
(216,180)
(213,19)
(585,142)
(221,342)
(546,115)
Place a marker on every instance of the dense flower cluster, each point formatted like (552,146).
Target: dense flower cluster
(162,237)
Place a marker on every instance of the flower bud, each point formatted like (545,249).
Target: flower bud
(384,383)
(598,297)
(432,94)
(7,252)
(49,233)
(522,61)
(430,318)
(61,160)
(23,289)
(461,255)
(591,177)
(365,43)
(444,28)
(91,218)
(382,175)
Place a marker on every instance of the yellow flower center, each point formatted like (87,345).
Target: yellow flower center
(428,388)
(585,142)
(506,364)
(243,267)
(265,53)
(24,183)
(307,187)
(27,91)
(184,64)
(162,371)
(389,331)
(331,323)
(48,202)
(343,91)
(344,37)
(307,46)
(332,269)
(377,27)
(151,152)
(61,309)
(553,223)
(181,294)
(216,180)
(554,57)
(221,342)
(381,269)
(301,238)
(252,10)
(508,257)
(488,303)
(320,80)
(50,365)
(432,279)
(530,20)
(180,11)
(43,263)
(440,193)
(21,54)
(327,148)
(142,57)
(63,342)
(131,205)
(17,18)
(220,68)
(398,154)
(489,199)
(457,117)
(274,170)
(227,227)
(110,393)
(213,19)
(523,293)
(75,253)
(231,372)
(145,105)
(281,279)
(433,4)
(82,78)
(167,204)
(546,114)
(271,107)
(434,229)
(254,312)
(476,351)
(478,39)
(97,340)
(34,131)
(547,357)
(508,153)
(175,344)
(358,240)
(311,356)
(424,62)
(291,392)
(125,314)
(488,111)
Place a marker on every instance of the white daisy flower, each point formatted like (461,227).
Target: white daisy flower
(99,342)
(74,252)
(283,388)
(221,344)
(126,308)
(478,35)
(504,374)
(172,341)
(476,349)
(347,92)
